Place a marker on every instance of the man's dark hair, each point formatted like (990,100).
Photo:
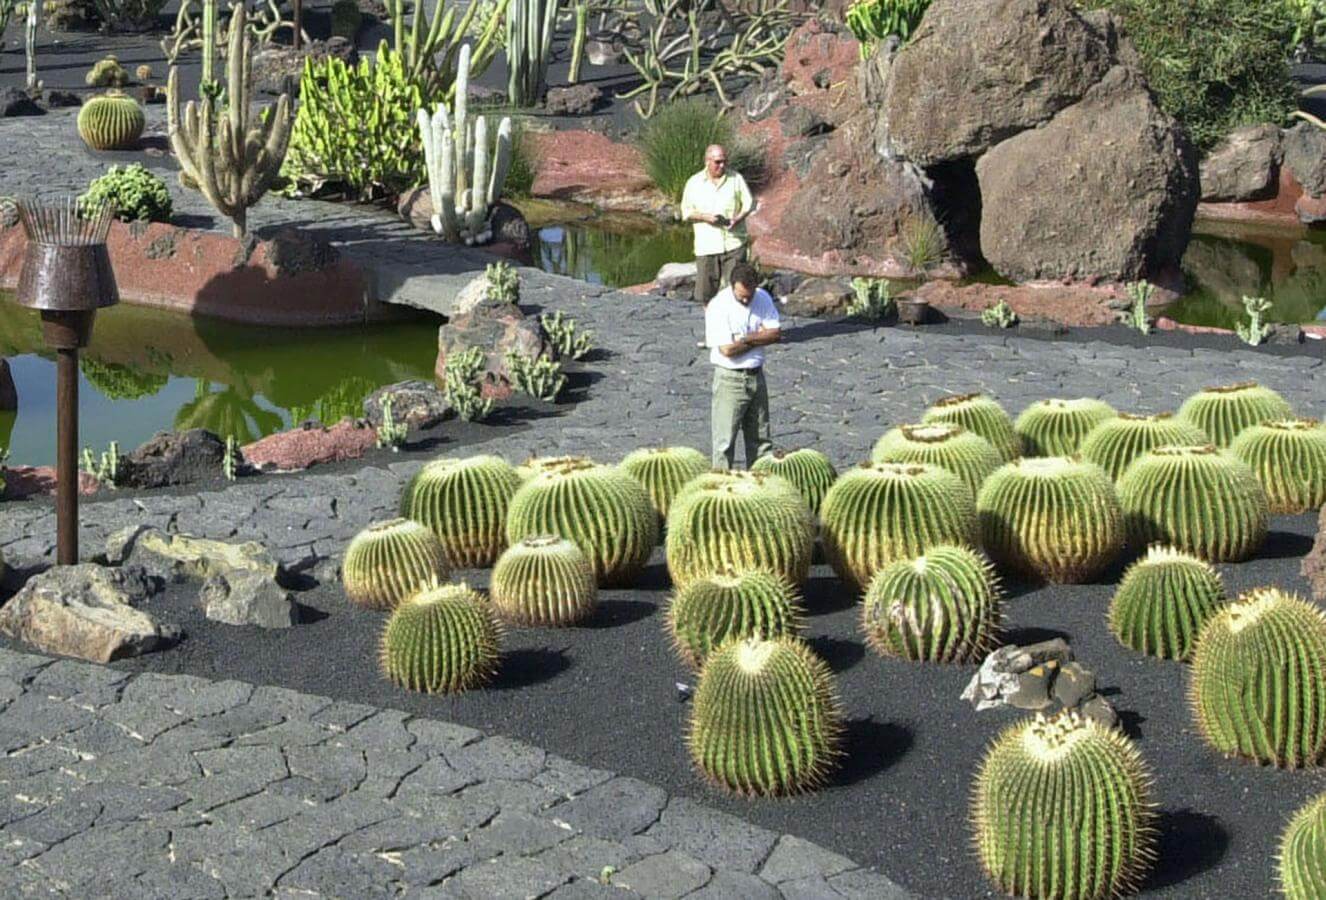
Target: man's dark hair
(745,274)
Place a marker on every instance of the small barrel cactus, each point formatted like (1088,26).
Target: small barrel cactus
(1258,686)
(1062,807)
(464,502)
(981,415)
(878,513)
(601,509)
(545,581)
(388,561)
(716,608)
(808,470)
(1223,412)
(111,121)
(1301,863)
(1197,499)
(964,453)
(765,718)
(1162,602)
(1115,443)
(1058,427)
(1288,456)
(1056,518)
(662,471)
(940,607)
(441,641)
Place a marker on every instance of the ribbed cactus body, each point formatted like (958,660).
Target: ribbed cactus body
(878,513)
(1288,456)
(1258,686)
(944,444)
(464,502)
(545,581)
(601,509)
(111,121)
(940,607)
(717,608)
(981,415)
(1223,412)
(808,470)
(1062,809)
(1162,602)
(1055,518)
(662,471)
(1301,863)
(441,641)
(1196,499)
(765,718)
(536,464)
(1058,427)
(388,561)
(1115,443)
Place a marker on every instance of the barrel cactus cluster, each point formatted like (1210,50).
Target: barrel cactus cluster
(1223,412)
(464,502)
(1288,456)
(944,444)
(808,470)
(662,471)
(544,581)
(388,561)
(441,641)
(111,121)
(1058,427)
(1162,602)
(1115,443)
(981,415)
(731,604)
(1301,863)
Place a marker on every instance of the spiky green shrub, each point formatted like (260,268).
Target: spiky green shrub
(112,121)
(1288,456)
(662,471)
(739,520)
(1162,602)
(878,513)
(1058,427)
(1301,863)
(441,641)
(1115,443)
(601,509)
(1062,808)
(981,415)
(1197,499)
(464,502)
(714,609)
(1258,686)
(136,194)
(808,470)
(388,561)
(545,581)
(1222,412)
(940,607)
(673,140)
(944,444)
(765,719)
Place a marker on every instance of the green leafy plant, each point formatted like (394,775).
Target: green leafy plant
(1000,315)
(388,561)
(106,467)
(135,192)
(391,433)
(442,641)
(871,300)
(662,471)
(107,73)
(503,282)
(539,377)
(543,581)
(463,385)
(464,502)
(1254,331)
(1115,443)
(1300,866)
(809,471)
(1309,18)
(230,459)
(567,341)
(944,444)
(871,21)
(1135,317)
(982,415)
(1058,427)
(674,140)
(1288,456)
(728,605)
(1162,602)
(1225,410)
(524,166)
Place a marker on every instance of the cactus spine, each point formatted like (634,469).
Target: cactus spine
(529,33)
(808,470)
(944,444)
(1115,443)
(1058,427)
(981,415)
(388,561)
(1301,863)
(716,608)
(1288,456)
(1222,412)
(1163,601)
(545,581)
(464,502)
(111,121)
(662,471)
(441,641)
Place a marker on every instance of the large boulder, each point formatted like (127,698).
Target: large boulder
(1305,156)
(277,68)
(497,329)
(311,444)
(819,297)
(172,458)
(1244,166)
(418,404)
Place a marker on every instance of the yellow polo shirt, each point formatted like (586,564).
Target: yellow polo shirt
(729,197)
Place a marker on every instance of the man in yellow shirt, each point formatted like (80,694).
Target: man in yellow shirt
(717,203)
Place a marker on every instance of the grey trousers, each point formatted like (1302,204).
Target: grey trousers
(713,272)
(740,402)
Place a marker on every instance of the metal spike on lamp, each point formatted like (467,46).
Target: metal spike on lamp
(67,276)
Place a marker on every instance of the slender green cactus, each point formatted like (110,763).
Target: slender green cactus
(1115,443)
(714,609)
(529,33)
(1224,411)
(388,561)
(441,641)
(1288,456)
(111,121)
(1163,601)
(662,471)
(430,46)
(809,471)
(464,502)
(543,581)
(982,415)
(944,444)
(578,36)
(1301,863)
(1058,427)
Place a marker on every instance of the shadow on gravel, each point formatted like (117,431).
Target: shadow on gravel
(824,329)
(1190,842)
(839,654)
(870,747)
(1285,545)
(655,577)
(525,668)
(306,615)
(826,594)
(1024,636)
(615,613)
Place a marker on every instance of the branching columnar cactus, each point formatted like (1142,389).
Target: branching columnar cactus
(601,509)
(940,607)
(1062,807)
(765,719)
(1301,864)
(739,520)
(879,513)
(808,470)
(662,471)
(1197,499)
(1115,443)
(944,444)
(388,561)
(543,581)
(1258,686)
(529,33)
(441,641)
(717,608)
(1222,412)
(1058,427)
(982,415)
(1288,456)
(1162,602)
(464,502)
(111,121)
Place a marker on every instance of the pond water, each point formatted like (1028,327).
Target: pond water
(622,254)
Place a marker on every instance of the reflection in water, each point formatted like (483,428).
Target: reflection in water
(229,412)
(617,258)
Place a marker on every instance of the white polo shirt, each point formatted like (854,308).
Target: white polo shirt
(726,319)
(729,197)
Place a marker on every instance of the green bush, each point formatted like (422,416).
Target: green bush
(874,20)
(524,163)
(136,193)
(675,137)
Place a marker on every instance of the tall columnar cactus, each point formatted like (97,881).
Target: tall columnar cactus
(1222,412)
(441,641)
(1288,456)
(601,509)
(1258,688)
(808,470)
(662,471)
(1163,601)
(765,718)
(544,581)
(1197,499)
(111,121)
(464,502)
(1058,427)
(1115,443)
(1055,518)
(982,415)
(228,154)
(940,607)
(714,609)
(1301,863)
(388,561)
(529,33)
(1062,808)
(944,444)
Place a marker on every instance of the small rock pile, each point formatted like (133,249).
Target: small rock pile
(1038,677)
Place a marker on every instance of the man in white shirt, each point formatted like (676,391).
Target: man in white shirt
(739,322)
(717,203)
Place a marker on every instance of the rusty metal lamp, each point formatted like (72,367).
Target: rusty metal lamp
(67,276)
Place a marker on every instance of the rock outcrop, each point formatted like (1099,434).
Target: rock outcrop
(173,458)
(418,404)
(497,329)
(1244,166)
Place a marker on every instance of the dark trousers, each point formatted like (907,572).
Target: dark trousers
(713,272)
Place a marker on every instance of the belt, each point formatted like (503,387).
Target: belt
(747,371)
